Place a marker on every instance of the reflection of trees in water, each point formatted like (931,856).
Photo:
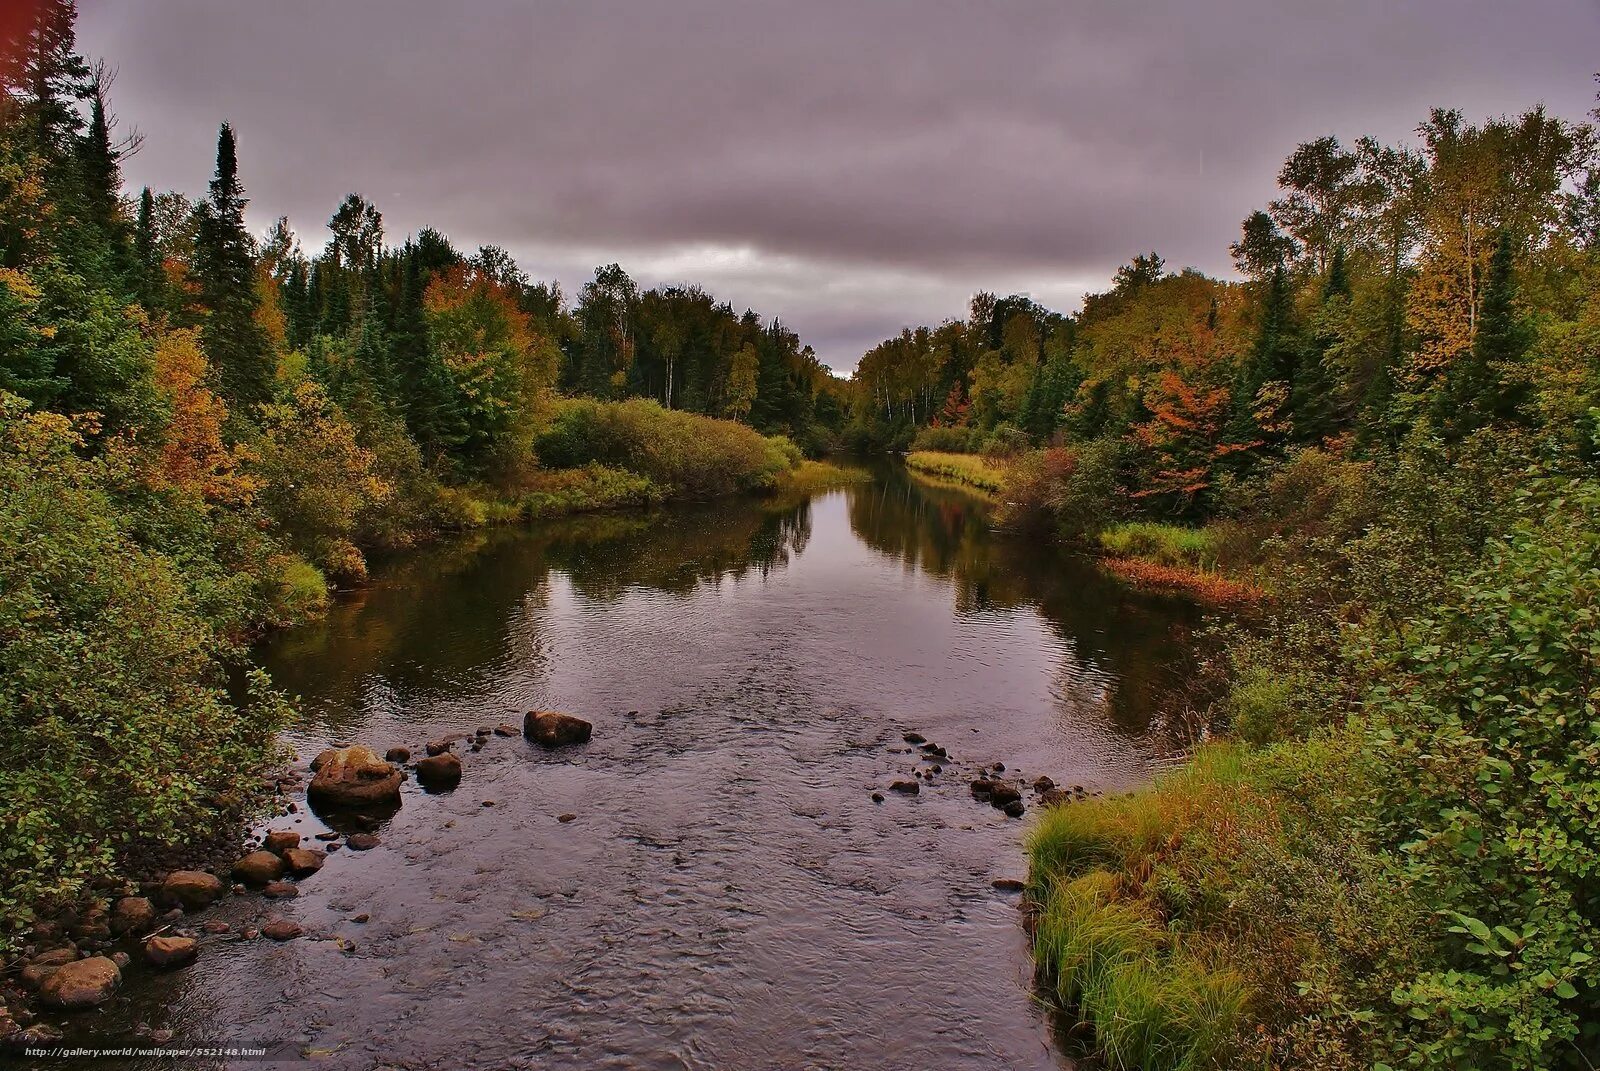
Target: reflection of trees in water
(1138,651)
(443,615)
(677,550)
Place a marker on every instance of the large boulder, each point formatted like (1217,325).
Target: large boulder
(281,840)
(81,984)
(354,777)
(439,771)
(171,951)
(281,929)
(190,889)
(132,914)
(548,728)
(303,862)
(258,868)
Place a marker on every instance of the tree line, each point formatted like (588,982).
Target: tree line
(1388,286)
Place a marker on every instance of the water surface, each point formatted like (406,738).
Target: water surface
(729,895)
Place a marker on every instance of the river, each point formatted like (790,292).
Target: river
(729,895)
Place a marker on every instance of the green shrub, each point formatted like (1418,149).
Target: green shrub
(688,456)
(116,723)
(1006,441)
(945,440)
(1484,725)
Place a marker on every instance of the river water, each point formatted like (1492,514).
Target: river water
(729,895)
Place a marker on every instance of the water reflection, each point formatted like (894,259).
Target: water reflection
(729,894)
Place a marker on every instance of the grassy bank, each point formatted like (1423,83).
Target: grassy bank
(1391,866)
(1167,557)
(970,469)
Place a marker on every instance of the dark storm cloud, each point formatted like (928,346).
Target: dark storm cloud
(848,166)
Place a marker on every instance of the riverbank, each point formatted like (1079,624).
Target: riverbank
(157,592)
(1271,903)
(969,469)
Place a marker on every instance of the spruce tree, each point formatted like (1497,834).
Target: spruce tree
(1480,389)
(225,271)
(151,281)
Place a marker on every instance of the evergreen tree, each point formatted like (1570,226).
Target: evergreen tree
(106,244)
(1481,389)
(150,284)
(225,271)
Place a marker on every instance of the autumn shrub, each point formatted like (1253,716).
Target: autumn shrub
(117,726)
(1068,492)
(687,455)
(318,483)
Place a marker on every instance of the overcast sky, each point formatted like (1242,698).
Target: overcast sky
(849,166)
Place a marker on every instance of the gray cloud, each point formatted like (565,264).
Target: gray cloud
(849,167)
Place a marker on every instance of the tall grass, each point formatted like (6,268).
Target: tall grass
(1163,544)
(1103,943)
(969,469)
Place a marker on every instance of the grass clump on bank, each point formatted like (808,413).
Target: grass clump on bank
(970,469)
(1164,544)
(810,477)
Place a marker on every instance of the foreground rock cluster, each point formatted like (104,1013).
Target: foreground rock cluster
(79,962)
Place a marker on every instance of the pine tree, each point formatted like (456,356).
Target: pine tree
(151,280)
(1480,389)
(225,270)
(100,177)
(45,68)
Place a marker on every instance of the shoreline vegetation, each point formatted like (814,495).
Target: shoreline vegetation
(1381,447)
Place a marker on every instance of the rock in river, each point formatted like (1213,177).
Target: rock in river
(190,889)
(258,868)
(354,777)
(439,771)
(281,840)
(362,842)
(81,984)
(303,862)
(910,788)
(281,930)
(397,754)
(171,951)
(549,728)
(132,914)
